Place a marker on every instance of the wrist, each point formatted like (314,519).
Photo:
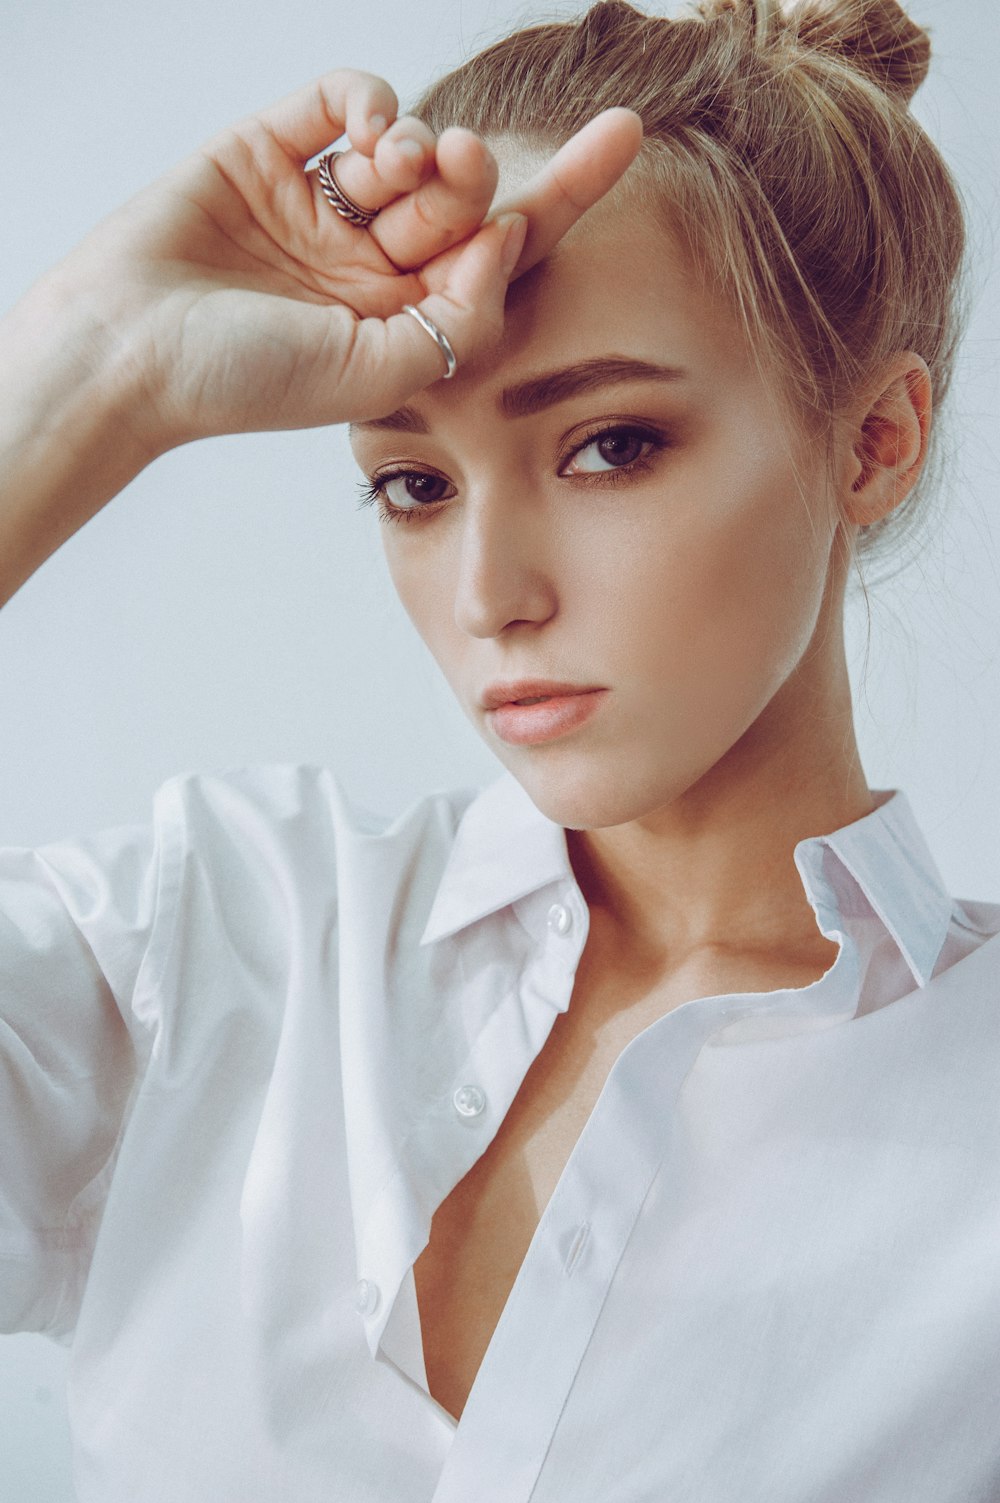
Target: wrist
(72,433)
(71,375)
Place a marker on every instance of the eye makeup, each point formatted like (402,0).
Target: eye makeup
(651,440)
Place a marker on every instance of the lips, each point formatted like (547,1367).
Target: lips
(549,720)
(512,691)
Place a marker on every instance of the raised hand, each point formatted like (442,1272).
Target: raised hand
(243,301)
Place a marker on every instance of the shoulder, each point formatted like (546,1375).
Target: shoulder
(272,871)
(268,816)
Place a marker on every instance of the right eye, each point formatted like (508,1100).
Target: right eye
(412,486)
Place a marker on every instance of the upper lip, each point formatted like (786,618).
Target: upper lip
(499,694)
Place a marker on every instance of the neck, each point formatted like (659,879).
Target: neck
(714,868)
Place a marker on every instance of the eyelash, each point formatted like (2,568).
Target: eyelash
(375,492)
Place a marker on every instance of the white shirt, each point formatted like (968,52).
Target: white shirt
(246,1051)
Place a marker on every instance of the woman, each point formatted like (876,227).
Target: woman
(639,1110)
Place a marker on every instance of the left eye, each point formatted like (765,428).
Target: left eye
(612,449)
(619,452)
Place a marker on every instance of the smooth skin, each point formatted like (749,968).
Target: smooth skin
(704,590)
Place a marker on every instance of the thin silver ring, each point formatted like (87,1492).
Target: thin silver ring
(335,195)
(436,334)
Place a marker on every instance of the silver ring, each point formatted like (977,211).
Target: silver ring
(335,195)
(436,334)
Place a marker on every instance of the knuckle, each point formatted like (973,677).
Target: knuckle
(344,78)
(565,192)
(358,82)
(431,213)
(381,92)
(413,126)
(460,133)
(361,77)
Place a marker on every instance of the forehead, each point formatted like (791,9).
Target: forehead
(618,284)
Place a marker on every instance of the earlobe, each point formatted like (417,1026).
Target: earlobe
(890,441)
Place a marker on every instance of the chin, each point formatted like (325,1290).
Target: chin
(591,796)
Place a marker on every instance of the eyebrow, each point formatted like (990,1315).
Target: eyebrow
(538,392)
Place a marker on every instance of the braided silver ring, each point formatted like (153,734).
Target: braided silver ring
(436,334)
(335,195)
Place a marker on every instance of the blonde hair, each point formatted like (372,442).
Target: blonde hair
(780,146)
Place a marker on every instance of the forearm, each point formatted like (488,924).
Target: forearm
(71,432)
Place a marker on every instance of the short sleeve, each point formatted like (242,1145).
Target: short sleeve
(82,923)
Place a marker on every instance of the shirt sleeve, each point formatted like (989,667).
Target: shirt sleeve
(83,924)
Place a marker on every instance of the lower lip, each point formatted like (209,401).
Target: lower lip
(527,725)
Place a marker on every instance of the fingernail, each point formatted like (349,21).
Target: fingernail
(516,230)
(410,148)
(377,124)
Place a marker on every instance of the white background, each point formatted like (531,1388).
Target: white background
(232,605)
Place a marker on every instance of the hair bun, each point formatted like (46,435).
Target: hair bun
(876,36)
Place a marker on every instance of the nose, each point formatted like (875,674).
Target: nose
(504,565)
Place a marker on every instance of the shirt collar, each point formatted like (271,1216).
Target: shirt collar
(505,848)
(891,863)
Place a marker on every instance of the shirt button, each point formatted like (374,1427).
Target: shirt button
(560,919)
(366,1295)
(469,1101)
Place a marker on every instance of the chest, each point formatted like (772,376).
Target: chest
(482,1230)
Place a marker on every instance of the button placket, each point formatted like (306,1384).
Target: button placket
(562,1287)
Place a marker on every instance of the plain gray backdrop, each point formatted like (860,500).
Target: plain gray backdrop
(233,605)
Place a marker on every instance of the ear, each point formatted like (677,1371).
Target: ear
(888,440)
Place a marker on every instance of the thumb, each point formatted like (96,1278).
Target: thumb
(478,278)
(401,358)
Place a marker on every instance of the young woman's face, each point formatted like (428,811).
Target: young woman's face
(668,539)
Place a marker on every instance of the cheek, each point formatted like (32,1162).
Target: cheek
(417,578)
(725,598)
(424,575)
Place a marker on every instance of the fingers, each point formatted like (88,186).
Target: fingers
(435,196)
(446,209)
(392,358)
(425,212)
(308,120)
(580,173)
(402,160)
(469,307)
